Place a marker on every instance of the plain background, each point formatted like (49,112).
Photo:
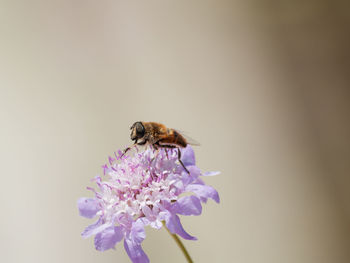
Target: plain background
(263,85)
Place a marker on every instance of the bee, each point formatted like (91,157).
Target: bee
(159,136)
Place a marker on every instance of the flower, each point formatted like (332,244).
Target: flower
(143,189)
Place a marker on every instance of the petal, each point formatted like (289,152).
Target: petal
(187,156)
(135,251)
(147,212)
(174,225)
(185,178)
(95,228)
(195,172)
(88,207)
(211,173)
(187,205)
(204,192)
(137,233)
(198,181)
(108,238)
(157,224)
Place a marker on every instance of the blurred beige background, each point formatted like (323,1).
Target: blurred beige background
(263,85)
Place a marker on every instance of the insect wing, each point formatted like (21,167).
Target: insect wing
(189,140)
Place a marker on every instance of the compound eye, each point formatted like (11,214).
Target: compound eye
(140,130)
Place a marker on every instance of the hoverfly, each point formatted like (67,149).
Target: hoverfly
(159,136)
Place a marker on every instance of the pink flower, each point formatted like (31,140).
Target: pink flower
(141,190)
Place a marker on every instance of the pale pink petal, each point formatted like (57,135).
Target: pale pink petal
(135,251)
(88,207)
(108,238)
(95,228)
(204,192)
(187,205)
(174,225)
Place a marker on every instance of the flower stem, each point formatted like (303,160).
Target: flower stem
(180,244)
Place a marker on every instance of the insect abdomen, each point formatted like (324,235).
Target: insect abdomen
(179,139)
(174,138)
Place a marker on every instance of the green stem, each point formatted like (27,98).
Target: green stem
(180,244)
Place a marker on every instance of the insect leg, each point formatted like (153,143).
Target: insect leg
(178,154)
(127,149)
(179,157)
(155,146)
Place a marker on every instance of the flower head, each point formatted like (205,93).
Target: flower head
(143,189)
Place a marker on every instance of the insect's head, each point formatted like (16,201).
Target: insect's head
(137,131)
